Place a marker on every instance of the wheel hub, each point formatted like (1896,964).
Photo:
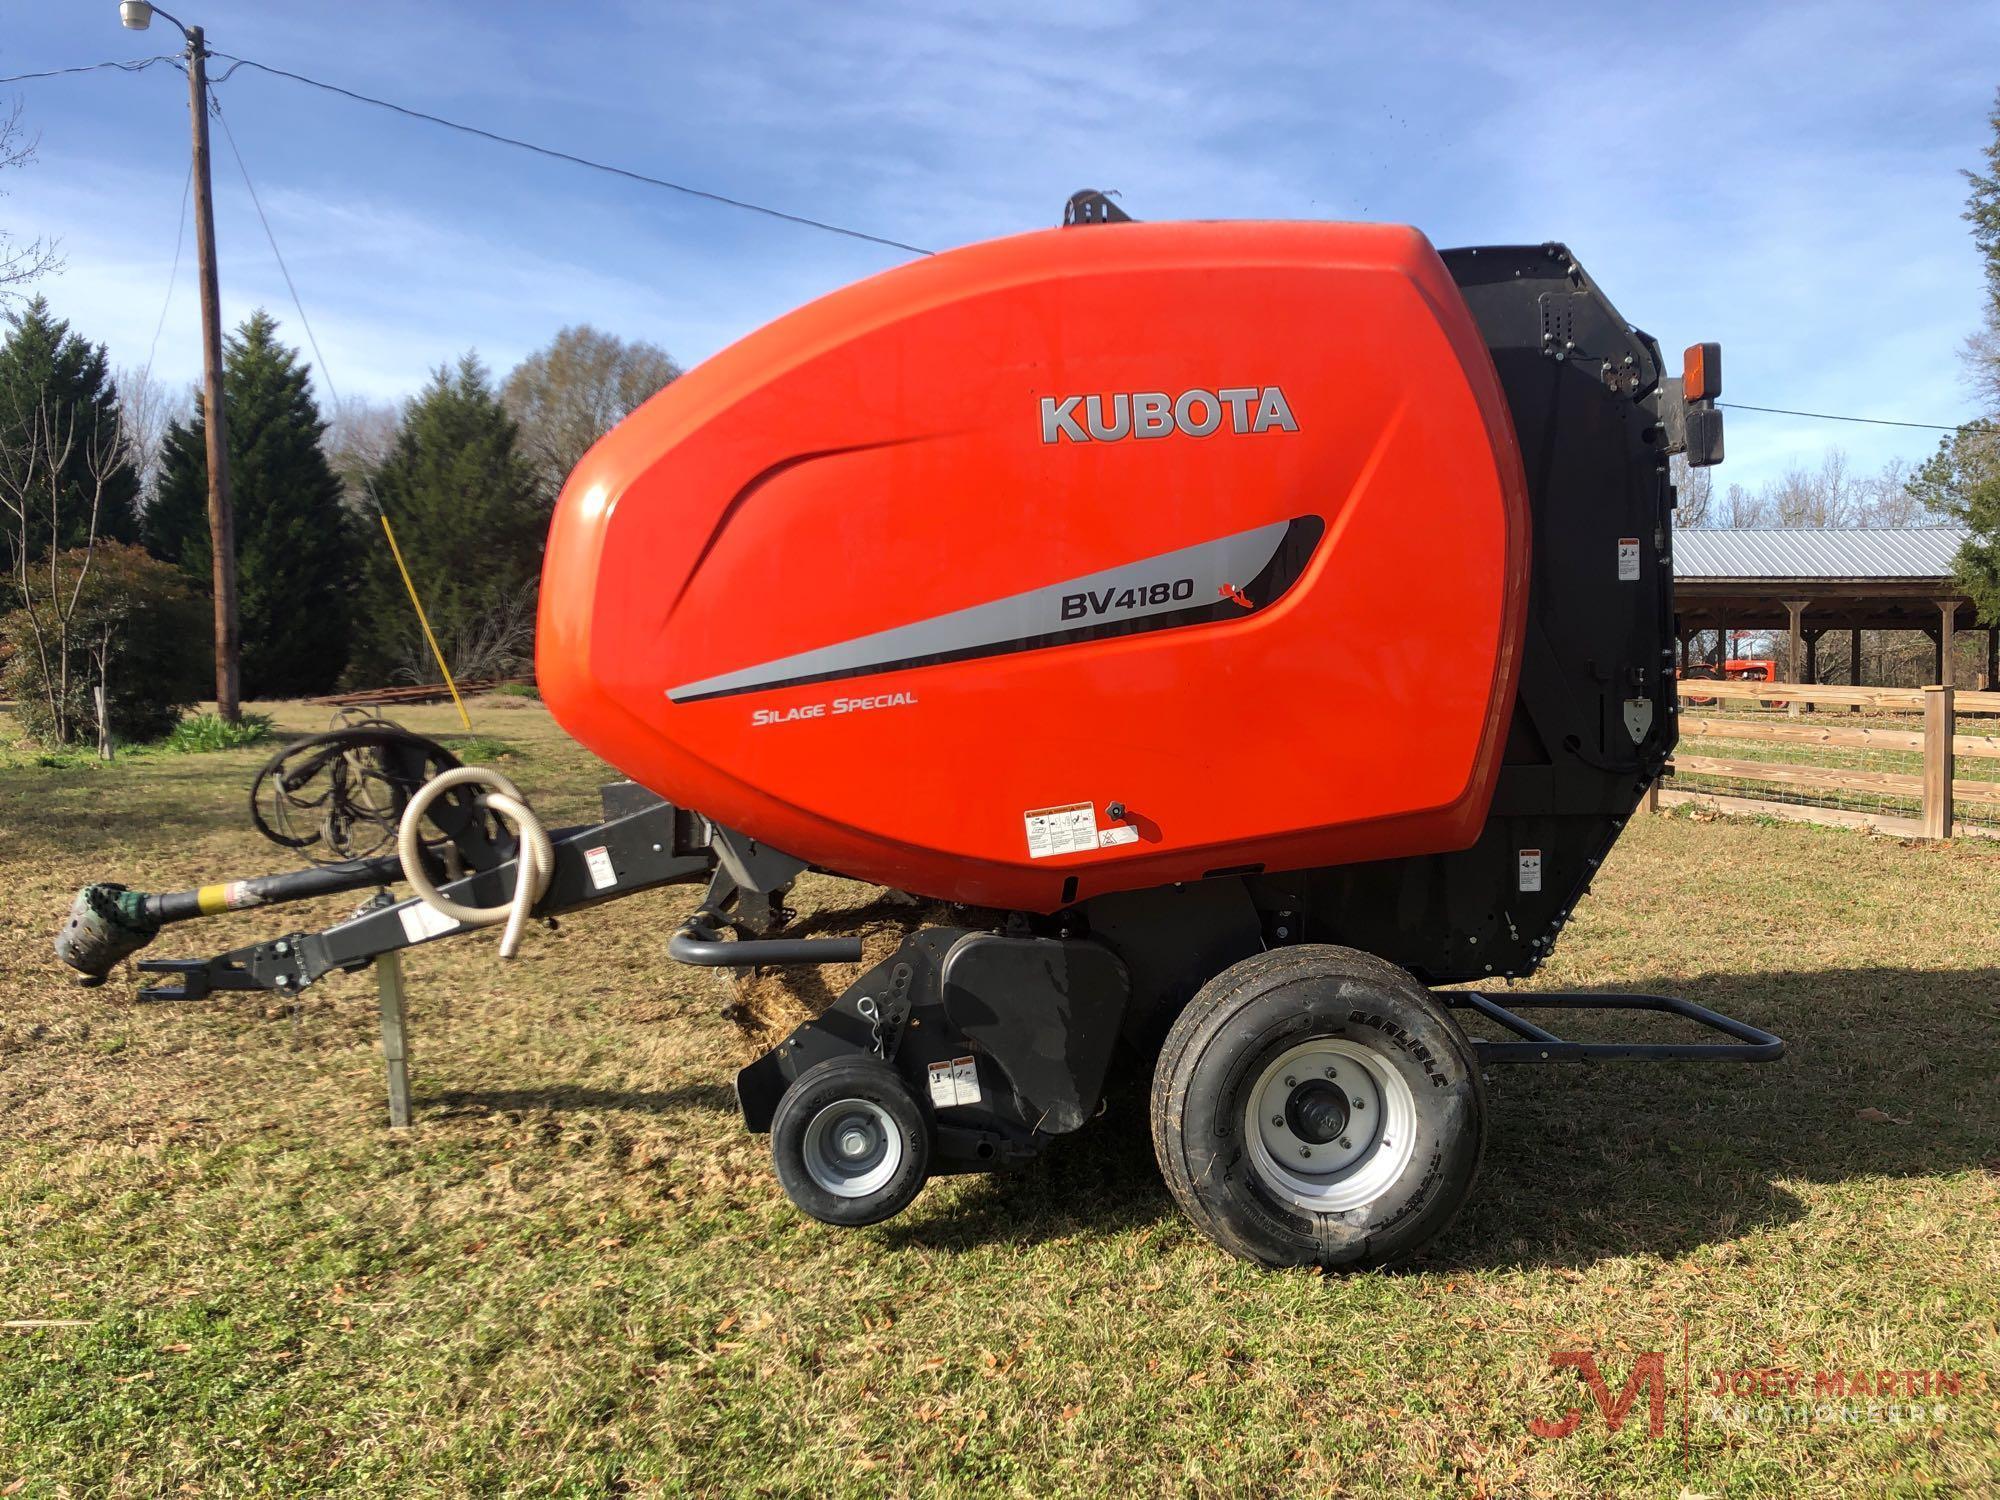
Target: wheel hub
(1330,1125)
(852,1148)
(1317,1111)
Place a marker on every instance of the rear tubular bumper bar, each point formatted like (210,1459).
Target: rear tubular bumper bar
(1746,1044)
(702,945)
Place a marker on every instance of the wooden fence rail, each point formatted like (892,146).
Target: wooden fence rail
(1936,789)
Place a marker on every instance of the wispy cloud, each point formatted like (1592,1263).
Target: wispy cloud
(1783,178)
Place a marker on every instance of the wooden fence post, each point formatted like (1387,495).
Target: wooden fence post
(1939,727)
(1651,801)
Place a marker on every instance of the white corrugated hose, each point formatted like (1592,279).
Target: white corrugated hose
(534,865)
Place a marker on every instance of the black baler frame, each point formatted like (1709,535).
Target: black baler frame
(650,843)
(1749,1045)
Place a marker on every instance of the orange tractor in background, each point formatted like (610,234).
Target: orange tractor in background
(1736,669)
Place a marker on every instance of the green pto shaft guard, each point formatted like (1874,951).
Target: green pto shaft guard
(107,922)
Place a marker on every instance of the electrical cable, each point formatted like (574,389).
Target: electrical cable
(278,255)
(336,797)
(1827,416)
(571,157)
(141,64)
(136,65)
(173,274)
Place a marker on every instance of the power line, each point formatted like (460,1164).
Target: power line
(1827,416)
(581,161)
(180,235)
(140,64)
(277,254)
(136,65)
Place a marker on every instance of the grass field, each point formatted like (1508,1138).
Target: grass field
(576,1276)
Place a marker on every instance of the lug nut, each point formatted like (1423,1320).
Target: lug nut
(1346,1144)
(1278,1120)
(1291,1083)
(1359,1105)
(1305,1151)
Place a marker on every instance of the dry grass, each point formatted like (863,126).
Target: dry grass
(577,1276)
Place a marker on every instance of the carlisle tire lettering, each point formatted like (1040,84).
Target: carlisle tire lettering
(1093,603)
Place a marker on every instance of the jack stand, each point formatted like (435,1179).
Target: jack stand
(395,1039)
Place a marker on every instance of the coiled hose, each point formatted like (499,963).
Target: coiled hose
(534,864)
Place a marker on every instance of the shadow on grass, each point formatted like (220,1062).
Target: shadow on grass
(71,810)
(570,1096)
(1589,1162)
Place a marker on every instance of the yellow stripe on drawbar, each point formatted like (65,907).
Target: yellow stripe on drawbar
(212,899)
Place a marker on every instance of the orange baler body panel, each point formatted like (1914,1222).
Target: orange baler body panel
(1220,523)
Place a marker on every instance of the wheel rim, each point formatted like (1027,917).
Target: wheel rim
(1330,1125)
(852,1148)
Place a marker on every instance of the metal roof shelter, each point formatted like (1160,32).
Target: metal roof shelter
(1806,583)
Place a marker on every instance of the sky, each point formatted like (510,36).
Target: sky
(1784,178)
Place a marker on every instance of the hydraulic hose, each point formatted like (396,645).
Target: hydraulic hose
(533,864)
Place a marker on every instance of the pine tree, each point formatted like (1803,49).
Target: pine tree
(470,518)
(295,546)
(55,382)
(1963,477)
(1982,212)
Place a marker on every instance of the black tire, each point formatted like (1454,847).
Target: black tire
(1384,1198)
(810,1166)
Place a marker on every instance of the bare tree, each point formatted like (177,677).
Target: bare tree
(359,435)
(1890,503)
(147,407)
(36,485)
(1982,366)
(1824,499)
(1694,492)
(1829,497)
(21,261)
(498,642)
(1738,507)
(567,396)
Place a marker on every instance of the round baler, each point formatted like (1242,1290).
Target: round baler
(1245,628)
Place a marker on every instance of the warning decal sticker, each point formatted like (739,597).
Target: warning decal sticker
(421,923)
(598,860)
(954,1082)
(1061,830)
(1531,869)
(1628,559)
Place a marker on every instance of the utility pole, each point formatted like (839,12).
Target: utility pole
(137,15)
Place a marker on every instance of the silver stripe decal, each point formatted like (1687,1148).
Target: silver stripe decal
(1214,567)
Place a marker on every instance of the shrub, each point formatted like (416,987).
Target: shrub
(198,734)
(111,614)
